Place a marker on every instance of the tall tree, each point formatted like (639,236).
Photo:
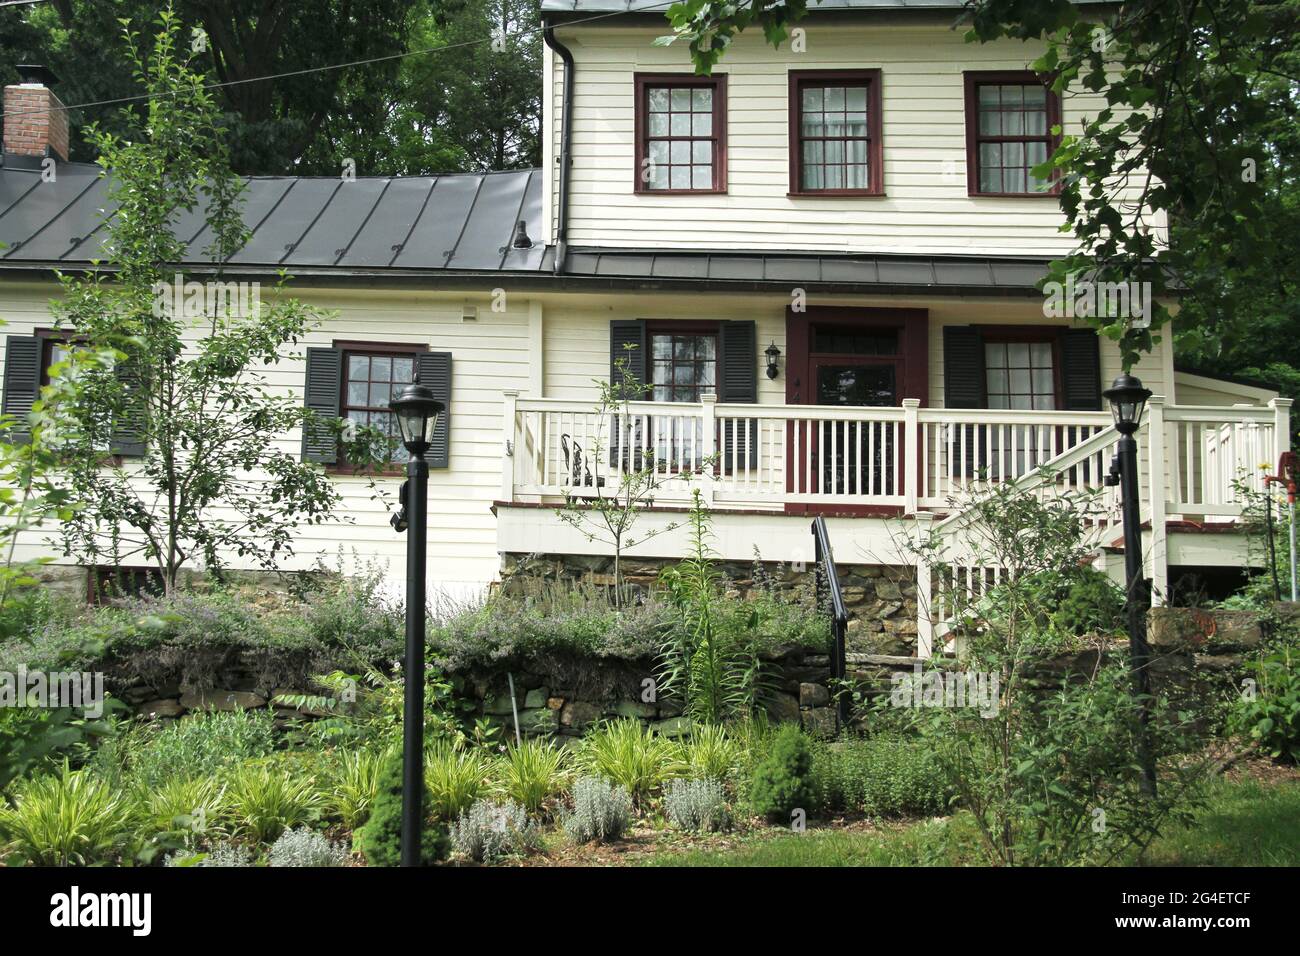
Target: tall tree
(204,474)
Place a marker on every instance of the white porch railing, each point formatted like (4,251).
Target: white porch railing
(903,460)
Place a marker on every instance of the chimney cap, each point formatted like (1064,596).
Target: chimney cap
(36,73)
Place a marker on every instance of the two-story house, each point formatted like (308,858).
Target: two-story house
(821,262)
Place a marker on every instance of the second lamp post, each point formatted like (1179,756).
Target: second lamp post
(417,413)
(1127,398)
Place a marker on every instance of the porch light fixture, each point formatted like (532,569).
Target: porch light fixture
(417,413)
(773,354)
(1127,398)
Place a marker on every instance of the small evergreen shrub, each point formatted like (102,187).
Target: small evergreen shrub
(381,836)
(696,805)
(602,811)
(885,775)
(304,847)
(782,780)
(489,831)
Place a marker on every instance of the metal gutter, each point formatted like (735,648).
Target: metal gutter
(566,133)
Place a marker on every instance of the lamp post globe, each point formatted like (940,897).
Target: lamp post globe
(1127,398)
(417,412)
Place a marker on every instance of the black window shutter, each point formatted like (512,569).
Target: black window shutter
(1080,371)
(738,384)
(323,386)
(128,436)
(627,343)
(965,386)
(434,371)
(22,384)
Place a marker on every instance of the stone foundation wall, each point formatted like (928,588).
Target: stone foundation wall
(881,600)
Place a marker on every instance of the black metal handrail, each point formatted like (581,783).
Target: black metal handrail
(839,615)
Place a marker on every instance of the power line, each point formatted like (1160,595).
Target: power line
(139,97)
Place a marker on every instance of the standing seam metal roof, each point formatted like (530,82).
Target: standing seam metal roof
(413,222)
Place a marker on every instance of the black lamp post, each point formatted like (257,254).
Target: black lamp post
(1127,399)
(417,414)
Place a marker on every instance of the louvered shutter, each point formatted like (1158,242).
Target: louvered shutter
(22,382)
(434,370)
(323,386)
(628,343)
(738,384)
(965,386)
(128,429)
(1080,371)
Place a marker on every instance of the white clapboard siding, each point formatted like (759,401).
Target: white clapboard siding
(926,208)
(488,357)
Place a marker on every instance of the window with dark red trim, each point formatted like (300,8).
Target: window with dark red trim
(835,143)
(681,133)
(372,375)
(1021,373)
(684,364)
(1009,121)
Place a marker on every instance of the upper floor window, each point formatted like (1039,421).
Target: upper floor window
(835,145)
(681,135)
(1009,120)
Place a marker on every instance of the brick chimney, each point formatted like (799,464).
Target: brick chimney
(36,124)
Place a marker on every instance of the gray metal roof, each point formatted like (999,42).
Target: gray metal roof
(896,273)
(449,223)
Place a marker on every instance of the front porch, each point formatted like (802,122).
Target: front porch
(880,475)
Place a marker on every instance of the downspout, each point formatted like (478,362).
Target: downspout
(566,133)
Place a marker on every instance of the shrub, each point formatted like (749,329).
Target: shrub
(455,779)
(183,808)
(1271,716)
(1092,603)
(884,775)
(221,854)
(490,831)
(304,847)
(549,621)
(355,787)
(601,811)
(264,803)
(782,781)
(380,838)
(712,753)
(630,755)
(697,805)
(532,773)
(202,745)
(69,818)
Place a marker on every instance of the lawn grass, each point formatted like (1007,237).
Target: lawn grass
(1245,823)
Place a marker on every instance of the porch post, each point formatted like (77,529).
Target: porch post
(510,398)
(709,445)
(1159,490)
(924,585)
(1281,428)
(912,455)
